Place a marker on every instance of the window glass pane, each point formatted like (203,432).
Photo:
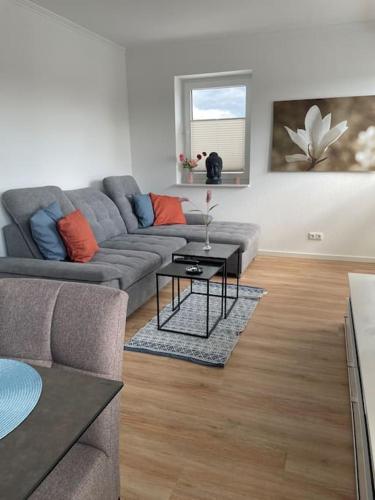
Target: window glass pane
(219,103)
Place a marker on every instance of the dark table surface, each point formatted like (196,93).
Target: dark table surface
(69,403)
(218,250)
(179,271)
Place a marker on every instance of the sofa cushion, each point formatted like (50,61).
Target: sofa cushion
(143,209)
(132,264)
(157,245)
(78,237)
(235,233)
(57,270)
(102,214)
(167,210)
(15,243)
(21,204)
(120,188)
(45,234)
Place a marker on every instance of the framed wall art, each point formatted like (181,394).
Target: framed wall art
(324,135)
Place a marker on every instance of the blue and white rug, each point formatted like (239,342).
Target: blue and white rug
(214,351)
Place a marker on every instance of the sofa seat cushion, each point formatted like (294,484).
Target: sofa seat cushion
(132,264)
(160,246)
(235,233)
(83,473)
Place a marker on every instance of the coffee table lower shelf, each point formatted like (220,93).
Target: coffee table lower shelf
(177,272)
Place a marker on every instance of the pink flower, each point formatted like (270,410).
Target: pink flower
(181,157)
(193,163)
(208,196)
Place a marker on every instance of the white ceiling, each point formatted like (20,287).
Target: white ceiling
(128,22)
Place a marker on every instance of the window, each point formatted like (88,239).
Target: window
(216,111)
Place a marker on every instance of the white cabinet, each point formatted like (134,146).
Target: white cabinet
(360,353)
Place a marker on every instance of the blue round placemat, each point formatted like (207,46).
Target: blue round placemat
(20,390)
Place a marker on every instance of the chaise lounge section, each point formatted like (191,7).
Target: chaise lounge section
(128,257)
(121,188)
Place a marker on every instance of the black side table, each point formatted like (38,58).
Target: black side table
(178,271)
(219,254)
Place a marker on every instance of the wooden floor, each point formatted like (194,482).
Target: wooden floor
(273,424)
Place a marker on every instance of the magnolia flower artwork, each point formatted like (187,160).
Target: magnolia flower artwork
(324,135)
(316,138)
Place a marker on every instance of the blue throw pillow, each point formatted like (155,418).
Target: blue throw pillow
(142,207)
(45,234)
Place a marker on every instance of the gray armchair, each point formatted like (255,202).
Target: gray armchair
(78,327)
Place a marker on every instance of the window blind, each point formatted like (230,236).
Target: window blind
(225,136)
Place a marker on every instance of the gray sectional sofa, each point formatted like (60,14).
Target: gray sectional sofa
(128,257)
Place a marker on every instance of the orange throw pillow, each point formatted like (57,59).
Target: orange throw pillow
(78,237)
(167,210)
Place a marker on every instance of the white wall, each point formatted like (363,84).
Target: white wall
(334,61)
(63,103)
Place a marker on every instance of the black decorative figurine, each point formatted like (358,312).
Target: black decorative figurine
(214,166)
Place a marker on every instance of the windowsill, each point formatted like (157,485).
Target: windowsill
(237,186)
(223,173)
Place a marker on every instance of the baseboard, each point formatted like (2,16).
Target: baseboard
(317,256)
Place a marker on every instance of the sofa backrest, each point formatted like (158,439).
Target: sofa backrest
(102,214)
(15,243)
(21,204)
(120,189)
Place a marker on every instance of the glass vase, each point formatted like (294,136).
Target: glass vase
(189,177)
(207,245)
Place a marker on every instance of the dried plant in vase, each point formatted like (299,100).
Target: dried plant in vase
(207,217)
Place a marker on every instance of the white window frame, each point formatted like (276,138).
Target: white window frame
(190,84)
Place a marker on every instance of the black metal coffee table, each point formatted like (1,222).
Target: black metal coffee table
(219,254)
(178,272)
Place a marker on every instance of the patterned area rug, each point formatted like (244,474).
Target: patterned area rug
(214,351)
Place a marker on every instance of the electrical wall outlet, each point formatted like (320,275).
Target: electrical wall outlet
(315,236)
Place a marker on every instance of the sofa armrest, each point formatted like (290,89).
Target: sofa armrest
(38,268)
(195,219)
